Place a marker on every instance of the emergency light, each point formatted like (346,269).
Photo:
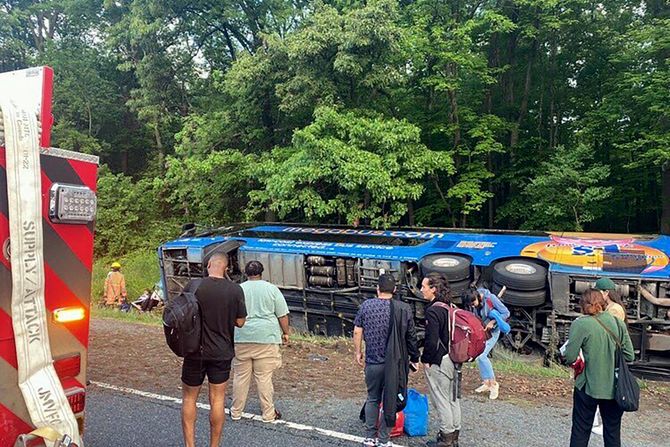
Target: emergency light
(69,314)
(72,204)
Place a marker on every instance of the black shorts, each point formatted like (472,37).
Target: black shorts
(193,371)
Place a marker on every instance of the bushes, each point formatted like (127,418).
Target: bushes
(130,216)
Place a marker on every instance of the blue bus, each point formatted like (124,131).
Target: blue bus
(325,272)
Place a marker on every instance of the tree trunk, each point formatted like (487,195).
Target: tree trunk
(159,147)
(124,161)
(523,108)
(410,212)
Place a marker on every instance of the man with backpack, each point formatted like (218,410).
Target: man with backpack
(387,326)
(222,308)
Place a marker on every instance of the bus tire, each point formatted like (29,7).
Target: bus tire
(520,274)
(454,267)
(458,287)
(521,298)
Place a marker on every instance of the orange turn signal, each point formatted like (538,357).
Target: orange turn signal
(69,314)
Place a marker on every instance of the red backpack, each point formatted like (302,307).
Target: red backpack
(466,332)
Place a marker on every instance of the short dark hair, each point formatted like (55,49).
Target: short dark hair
(253,268)
(386,283)
(220,256)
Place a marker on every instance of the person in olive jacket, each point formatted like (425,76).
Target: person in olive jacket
(594,387)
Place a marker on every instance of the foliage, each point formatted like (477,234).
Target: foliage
(512,114)
(129,216)
(348,167)
(569,192)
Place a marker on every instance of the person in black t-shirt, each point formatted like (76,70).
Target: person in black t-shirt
(222,309)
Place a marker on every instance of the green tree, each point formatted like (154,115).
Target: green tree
(569,192)
(351,167)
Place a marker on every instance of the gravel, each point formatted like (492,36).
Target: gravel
(116,419)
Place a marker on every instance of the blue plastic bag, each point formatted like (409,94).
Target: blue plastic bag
(416,413)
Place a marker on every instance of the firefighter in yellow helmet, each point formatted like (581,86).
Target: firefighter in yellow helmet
(115,287)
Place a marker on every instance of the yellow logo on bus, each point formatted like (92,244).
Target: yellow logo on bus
(600,254)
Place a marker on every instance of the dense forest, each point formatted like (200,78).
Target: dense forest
(517,114)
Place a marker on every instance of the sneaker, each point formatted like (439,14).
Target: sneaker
(370,442)
(384,444)
(482,389)
(235,418)
(277,416)
(597,429)
(493,394)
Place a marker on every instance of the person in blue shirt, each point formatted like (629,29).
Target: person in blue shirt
(494,314)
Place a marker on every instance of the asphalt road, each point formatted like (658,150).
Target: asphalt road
(118,419)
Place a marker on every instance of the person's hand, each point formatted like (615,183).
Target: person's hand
(490,325)
(358,358)
(426,365)
(285,338)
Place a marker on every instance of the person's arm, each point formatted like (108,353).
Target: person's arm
(665,302)
(241,316)
(282,314)
(412,342)
(627,344)
(431,342)
(500,307)
(575,341)
(285,328)
(124,293)
(358,345)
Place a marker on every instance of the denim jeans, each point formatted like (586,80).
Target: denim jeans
(485,366)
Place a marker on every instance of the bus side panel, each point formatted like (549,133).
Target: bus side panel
(68,255)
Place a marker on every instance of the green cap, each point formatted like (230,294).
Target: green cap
(605,284)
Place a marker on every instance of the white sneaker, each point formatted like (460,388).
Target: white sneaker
(235,418)
(597,429)
(385,444)
(370,442)
(493,393)
(482,389)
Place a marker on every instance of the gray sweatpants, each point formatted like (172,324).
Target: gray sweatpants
(440,384)
(374,379)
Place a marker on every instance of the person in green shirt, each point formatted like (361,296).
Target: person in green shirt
(595,386)
(257,344)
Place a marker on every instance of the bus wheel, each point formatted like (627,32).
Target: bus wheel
(520,298)
(520,274)
(454,267)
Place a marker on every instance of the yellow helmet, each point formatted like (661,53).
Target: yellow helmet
(116,265)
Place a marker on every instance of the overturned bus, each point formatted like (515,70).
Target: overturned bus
(326,272)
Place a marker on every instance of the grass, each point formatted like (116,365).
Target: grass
(151,318)
(509,362)
(319,340)
(140,269)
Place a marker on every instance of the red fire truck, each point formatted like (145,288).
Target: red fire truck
(47,214)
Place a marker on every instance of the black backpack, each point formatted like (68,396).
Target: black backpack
(627,390)
(182,322)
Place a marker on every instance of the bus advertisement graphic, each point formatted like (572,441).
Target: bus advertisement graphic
(621,255)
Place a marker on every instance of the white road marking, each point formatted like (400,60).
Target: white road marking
(249,416)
